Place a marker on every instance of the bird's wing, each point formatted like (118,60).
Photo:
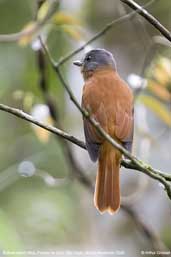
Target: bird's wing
(124,120)
(92,141)
(110,102)
(91,102)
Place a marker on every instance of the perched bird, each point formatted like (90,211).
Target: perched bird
(109,100)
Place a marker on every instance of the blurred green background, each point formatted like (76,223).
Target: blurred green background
(37,212)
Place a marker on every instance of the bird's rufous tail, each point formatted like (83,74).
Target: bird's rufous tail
(107,188)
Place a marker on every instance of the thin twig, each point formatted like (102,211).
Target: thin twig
(151,19)
(99,34)
(94,38)
(76,171)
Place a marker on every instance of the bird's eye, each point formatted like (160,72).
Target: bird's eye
(88,58)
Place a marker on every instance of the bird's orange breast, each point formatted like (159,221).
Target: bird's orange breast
(110,101)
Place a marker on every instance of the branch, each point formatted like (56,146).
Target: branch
(148,232)
(140,166)
(94,38)
(76,171)
(137,9)
(22,115)
(58,132)
(133,5)
(99,34)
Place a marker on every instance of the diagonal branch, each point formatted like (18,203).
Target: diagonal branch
(151,19)
(99,34)
(141,166)
(25,116)
(141,226)
(148,232)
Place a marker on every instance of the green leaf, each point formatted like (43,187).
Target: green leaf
(64,18)
(48,10)
(72,32)
(28,34)
(160,91)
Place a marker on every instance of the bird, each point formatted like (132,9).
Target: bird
(109,100)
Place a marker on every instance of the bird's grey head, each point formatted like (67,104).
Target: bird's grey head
(96,59)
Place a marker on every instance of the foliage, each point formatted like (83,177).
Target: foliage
(157,95)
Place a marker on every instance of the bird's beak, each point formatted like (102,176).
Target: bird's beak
(78,63)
